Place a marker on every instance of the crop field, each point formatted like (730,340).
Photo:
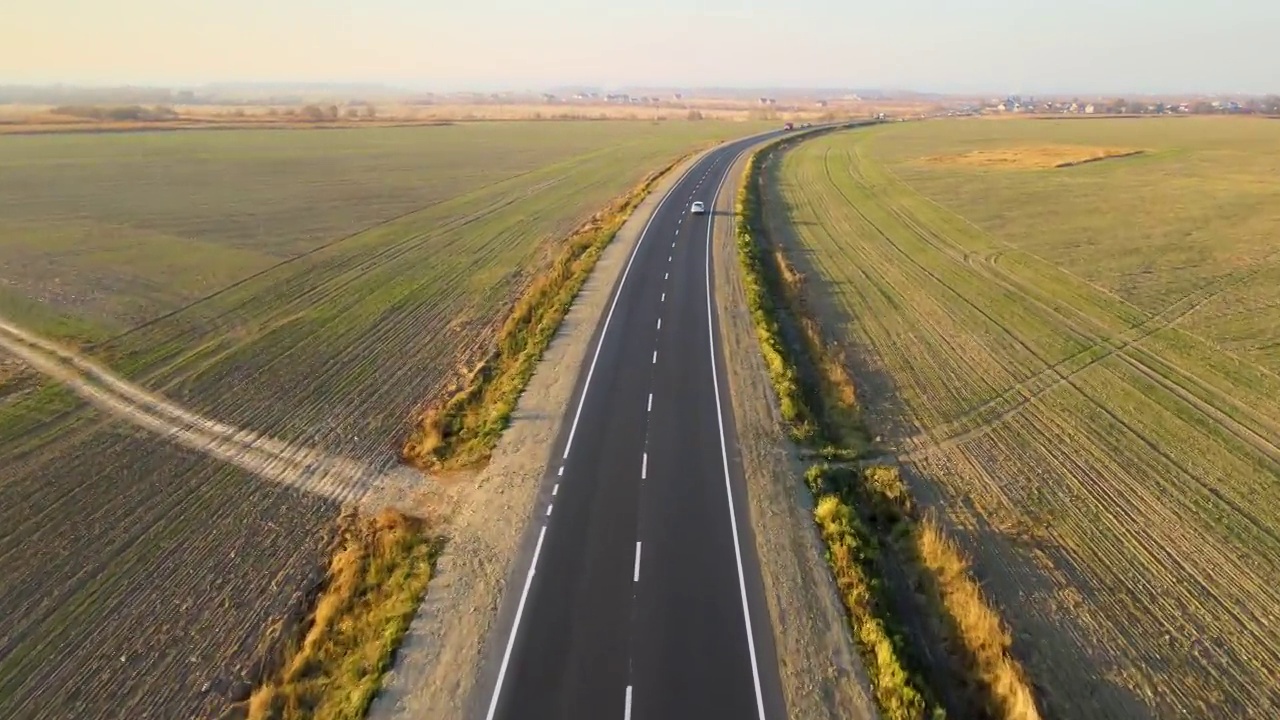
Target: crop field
(1079,365)
(241,305)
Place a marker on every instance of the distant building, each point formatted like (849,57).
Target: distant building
(1089,109)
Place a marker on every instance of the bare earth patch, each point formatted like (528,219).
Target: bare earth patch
(1034,157)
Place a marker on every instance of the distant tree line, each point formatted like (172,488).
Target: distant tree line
(154,113)
(317,113)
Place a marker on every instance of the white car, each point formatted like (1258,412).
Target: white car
(698,209)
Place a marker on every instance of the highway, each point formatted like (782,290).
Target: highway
(642,596)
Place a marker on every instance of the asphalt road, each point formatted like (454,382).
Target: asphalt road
(642,597)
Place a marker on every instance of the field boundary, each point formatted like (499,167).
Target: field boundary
(906,586)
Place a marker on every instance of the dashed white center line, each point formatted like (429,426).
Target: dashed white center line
(627,714)
(664,296)
(650,403)
(655,357)
(673,243)
(659,323)
(561,470)
(666,275)
(644,465)
(636,575)
(669,258)
(555,489)
(549,507)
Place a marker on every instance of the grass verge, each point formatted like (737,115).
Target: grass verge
(376,578)
(905,585)
(463,430)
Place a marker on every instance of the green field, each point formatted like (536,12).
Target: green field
(316,286)
(1080,365)
(119,228)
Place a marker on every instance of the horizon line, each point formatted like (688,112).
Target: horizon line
(414,87)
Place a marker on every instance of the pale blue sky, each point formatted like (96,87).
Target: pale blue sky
(1108,46)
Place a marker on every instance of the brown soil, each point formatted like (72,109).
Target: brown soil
(1040,157)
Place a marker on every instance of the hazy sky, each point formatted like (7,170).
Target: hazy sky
(1112,46)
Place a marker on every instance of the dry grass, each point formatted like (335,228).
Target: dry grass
(1035,157)
(853,556)
(981,630)
(376,579)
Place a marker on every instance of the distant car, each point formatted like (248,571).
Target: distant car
(698,209)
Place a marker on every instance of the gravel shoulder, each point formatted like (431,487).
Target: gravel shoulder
(488,513)
(822,674)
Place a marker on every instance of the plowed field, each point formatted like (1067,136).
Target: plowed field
(252,317)
(1080,366)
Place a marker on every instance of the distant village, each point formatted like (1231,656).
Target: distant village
(1120,106)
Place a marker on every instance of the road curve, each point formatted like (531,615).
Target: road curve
(642,596)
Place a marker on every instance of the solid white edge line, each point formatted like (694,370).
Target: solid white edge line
(626,715)
(604,331)
(511,641)
(728,487)
(636,574)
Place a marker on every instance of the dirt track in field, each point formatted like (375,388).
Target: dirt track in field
(308,469)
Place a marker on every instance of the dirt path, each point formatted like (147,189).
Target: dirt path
(335,478)
(822,675)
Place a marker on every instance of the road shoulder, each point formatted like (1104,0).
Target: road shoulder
(451,639)
(821,672)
